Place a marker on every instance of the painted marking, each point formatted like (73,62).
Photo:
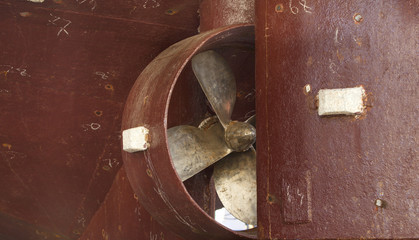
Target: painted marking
(112,162)
(296,191)
(333,68)
(11,69)
(301,195)
(306,8)
(10,155)
(91,3)
(81,221)
(62,23)
(289,198)
(294,10)
(153,236)
(151,4)
(22,72)
(137,211)
(92,126)
(336,35)
(36,1)
(103,75)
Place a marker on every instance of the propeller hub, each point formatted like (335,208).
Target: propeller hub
(240,136)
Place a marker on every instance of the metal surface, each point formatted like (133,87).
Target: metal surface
(66,68)
(235,182)
(151,173)
(320,177)
(218,13)
(218,83)
(121,216)
(193,149)
(240,136)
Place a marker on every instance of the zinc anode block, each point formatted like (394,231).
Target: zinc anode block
(341,101)
(135,139)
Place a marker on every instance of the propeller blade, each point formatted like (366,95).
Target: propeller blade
(217,81)
(235,183)
(193,149)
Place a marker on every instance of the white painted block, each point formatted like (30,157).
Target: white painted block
(341,101)
(135,139)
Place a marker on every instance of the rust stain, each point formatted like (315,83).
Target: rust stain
(240,94)
(171,11)
(149,173)
(6,145)
(25,14)
(98,113)
(279,8)
(358,41)
(271,199)
(310,61)
(261,232)
(5,74)
(340,56)
(105,235)
(76,232)
(106,168)
(109,87)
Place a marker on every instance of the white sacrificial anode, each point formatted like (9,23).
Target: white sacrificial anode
(341,101)
(135,139)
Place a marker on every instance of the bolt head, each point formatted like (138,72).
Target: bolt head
(307,88)
(379,203)
(358,18)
